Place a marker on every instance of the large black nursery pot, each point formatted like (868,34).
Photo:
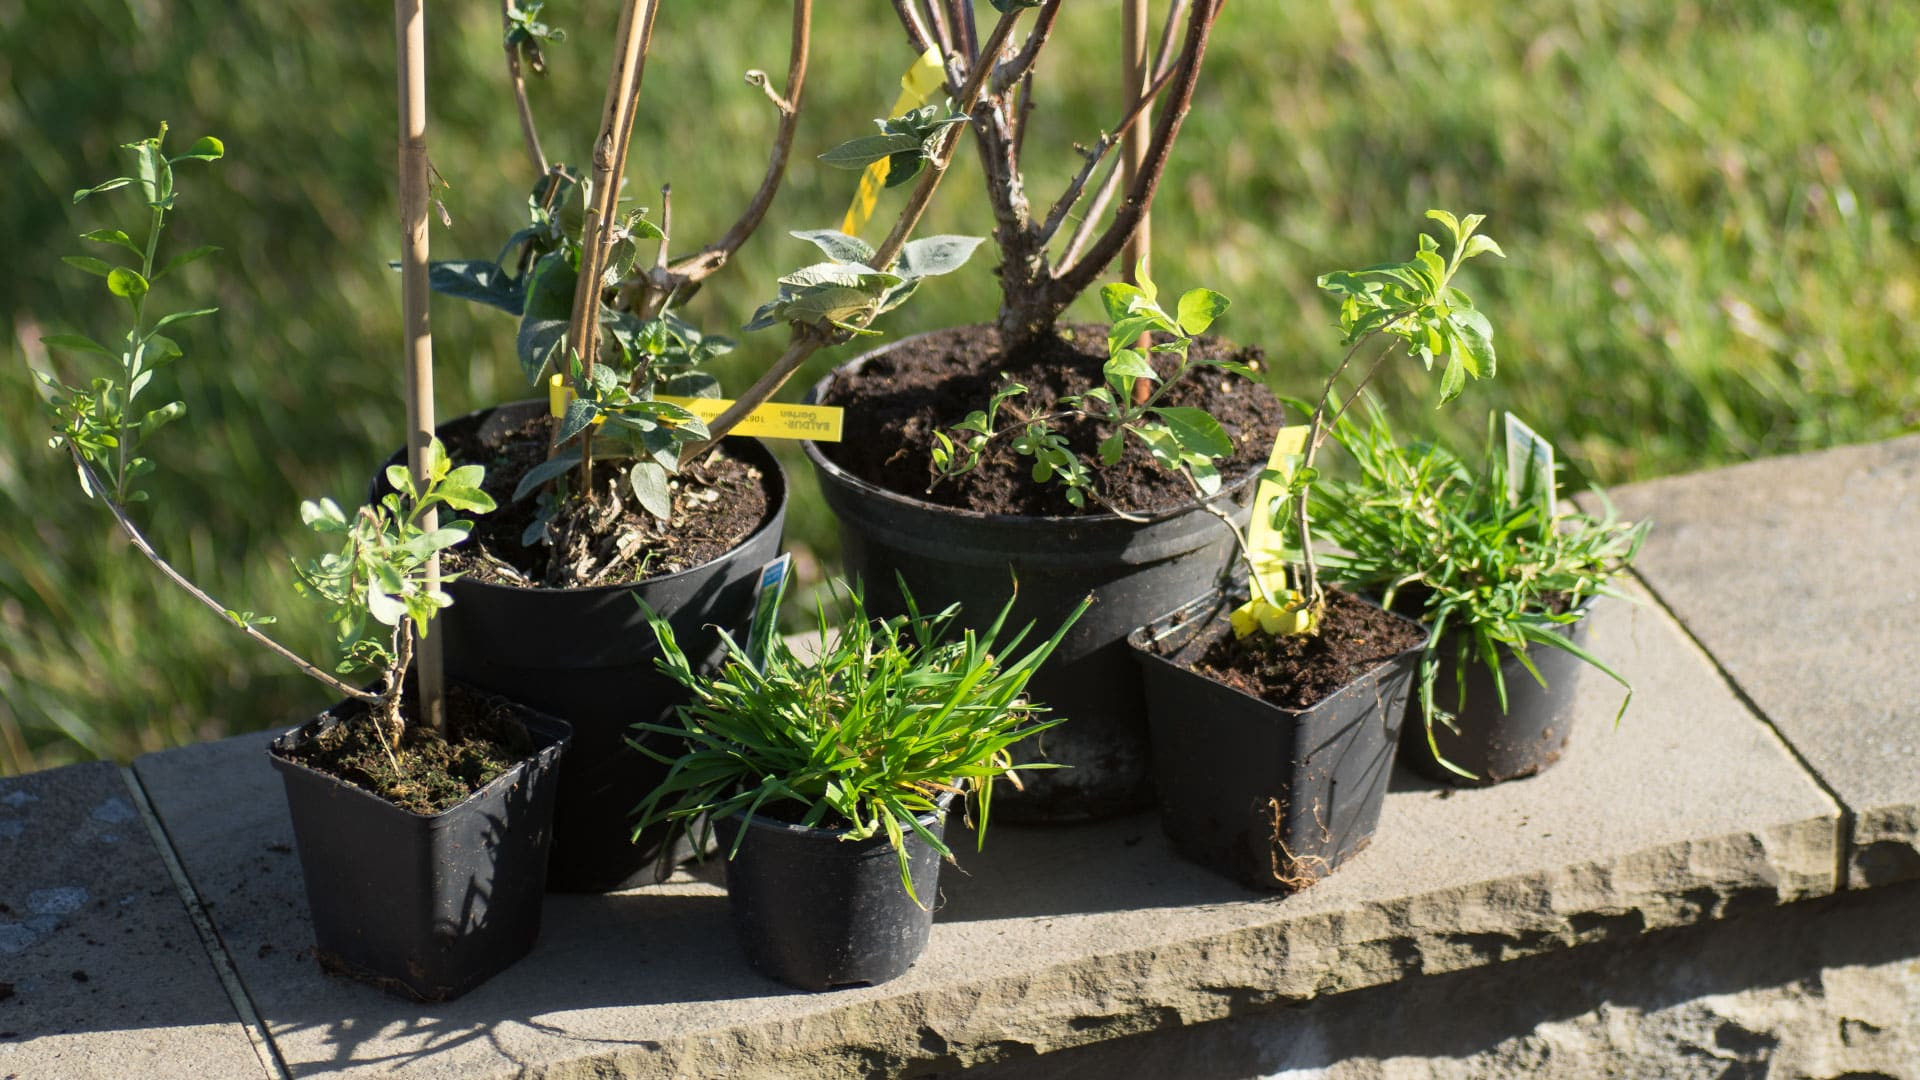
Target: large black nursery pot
(432,905)
(1277,798)
(1134,569)
(820,912)
(586,656)
(1495,746)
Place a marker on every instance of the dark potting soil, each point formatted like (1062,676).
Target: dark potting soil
(486,739)
(1296,672)
(897,401)
(717,502)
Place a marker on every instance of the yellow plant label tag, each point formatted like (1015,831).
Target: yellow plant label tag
(1266,543)
(916,86)
(821,423)
(774,420)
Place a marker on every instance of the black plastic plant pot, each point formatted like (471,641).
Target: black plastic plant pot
(1135,571)
(821,913)
(586,656)
(1276,798)
(429,905)
(1495,746)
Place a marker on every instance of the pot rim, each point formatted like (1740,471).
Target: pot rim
(1142,639)
(772,824)
(558,730)
(1228,491)
(774,519)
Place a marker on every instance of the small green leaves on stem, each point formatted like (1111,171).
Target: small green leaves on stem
(380,569)
(1180,439)
(105,419)
(906,143)
(845,293)
(527,33)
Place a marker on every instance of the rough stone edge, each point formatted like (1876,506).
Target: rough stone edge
(1885,846)
(1286,961)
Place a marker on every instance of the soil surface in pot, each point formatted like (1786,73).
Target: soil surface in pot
(717,502)
(1296,672)
(435,774)
(898,400)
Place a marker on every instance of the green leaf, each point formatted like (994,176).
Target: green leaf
(186,257)
(323,514)
(183,316)
(580,413)
(838,245)
(1199,308)
(1195,430)
(80,342)
(479,281)
(400,479)
(161,348)
(127,283)
(932,256)
(537,476)
(1479,245)
(385,608)
(1453,379)
(162,416)
(96,267)
(864,151)
(1474,336)
(205,148)
(1112,447)
(114,236)
(438,464)
(1119,298)
(1129,364)
(1446,219)
(548,307)
(116,182)
(649,482)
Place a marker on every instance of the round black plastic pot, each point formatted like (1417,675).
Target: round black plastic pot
(819,912)
(1495,746)
(431,906)
(586,656)
(1135,571)
(1276,798)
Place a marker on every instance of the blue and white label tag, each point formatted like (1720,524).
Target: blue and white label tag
(1530,468)
(767,594)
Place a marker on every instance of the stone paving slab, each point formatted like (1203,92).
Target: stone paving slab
(101,971)
(1692,810)
(1801,576)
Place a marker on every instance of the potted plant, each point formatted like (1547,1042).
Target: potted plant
(422,817)
(1494,565)
(1143,542)
(620,486)
(1274,721)
(828,778)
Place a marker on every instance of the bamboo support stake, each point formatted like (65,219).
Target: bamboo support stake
(410,40)
(1136,255)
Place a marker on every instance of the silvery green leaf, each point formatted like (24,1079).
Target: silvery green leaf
(838,245)
(931,256)
(649,483)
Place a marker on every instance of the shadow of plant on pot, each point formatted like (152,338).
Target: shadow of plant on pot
(1274,721)
(1494,565)
(422,818)
(960,541)
(827,779)
(624,486)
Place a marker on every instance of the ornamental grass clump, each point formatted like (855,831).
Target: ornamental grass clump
(1430,534)
(888,721)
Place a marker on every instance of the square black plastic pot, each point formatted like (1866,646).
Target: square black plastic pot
(1496,746)
(819,912)
(428,905)
(1276,798)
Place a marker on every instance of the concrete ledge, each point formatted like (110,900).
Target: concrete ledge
(101,971)
(1801,576)
(1692,811)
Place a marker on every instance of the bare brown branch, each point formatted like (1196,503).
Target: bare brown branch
(917,34)
(699,266)
(1095,154)
(1071,280)
(1022,63)
(528,133)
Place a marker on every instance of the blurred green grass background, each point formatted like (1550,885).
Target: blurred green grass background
(1710,208)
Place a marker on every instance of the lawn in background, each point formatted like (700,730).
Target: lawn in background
(1710,208)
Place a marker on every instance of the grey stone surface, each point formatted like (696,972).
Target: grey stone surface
(1801,576)
(1820,990)
(1691,811)
(101,972)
